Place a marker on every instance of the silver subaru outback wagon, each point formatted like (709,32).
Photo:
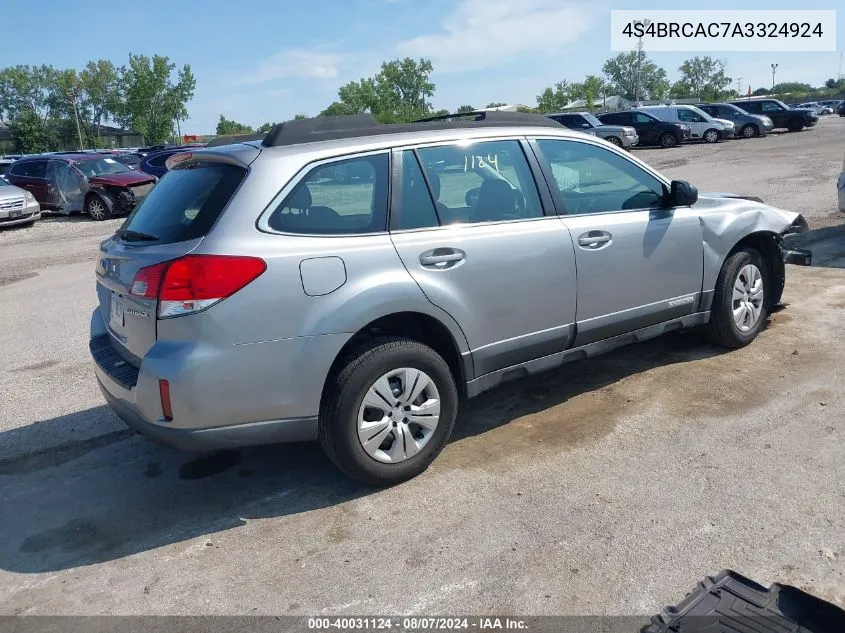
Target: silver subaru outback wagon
(347,281)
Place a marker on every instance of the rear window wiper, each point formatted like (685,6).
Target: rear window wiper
(135,236)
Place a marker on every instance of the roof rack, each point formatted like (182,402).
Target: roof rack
(326,128)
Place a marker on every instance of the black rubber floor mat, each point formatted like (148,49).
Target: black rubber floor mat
(731,603)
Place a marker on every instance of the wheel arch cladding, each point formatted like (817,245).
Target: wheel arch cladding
(416,326)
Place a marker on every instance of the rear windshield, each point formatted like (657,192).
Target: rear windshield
(185,203)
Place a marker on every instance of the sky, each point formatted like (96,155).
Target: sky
(265,60)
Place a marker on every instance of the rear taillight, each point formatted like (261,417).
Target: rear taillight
(195,282)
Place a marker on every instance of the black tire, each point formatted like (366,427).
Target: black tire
(615,140)
(722,330)
(668,140)
(99,207)
(345,391)
(749,131)
(711,136)
(795,125)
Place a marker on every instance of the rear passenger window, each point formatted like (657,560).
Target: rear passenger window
(342,197)
(482,182)
(417,208)
(31,169)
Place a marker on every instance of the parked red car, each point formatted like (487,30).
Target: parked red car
(95,184)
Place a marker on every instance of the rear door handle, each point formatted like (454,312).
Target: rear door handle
(594,239)
(442,257)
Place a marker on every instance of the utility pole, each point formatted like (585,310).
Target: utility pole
(645,24)
(774,68)
(72,98)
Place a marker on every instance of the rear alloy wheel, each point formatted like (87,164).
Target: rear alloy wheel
(97,208)
(739,305)
(667,140)
(750,131)
(615,140)
(388,412)
(711,136)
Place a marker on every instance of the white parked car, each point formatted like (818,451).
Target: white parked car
(703,126)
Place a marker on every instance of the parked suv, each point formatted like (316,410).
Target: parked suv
(95,184)
(747,125)
(619,135)
(650,129)
(703,127)
(252,298)
(782,116)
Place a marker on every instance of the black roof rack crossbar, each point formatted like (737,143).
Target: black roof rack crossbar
(327,128)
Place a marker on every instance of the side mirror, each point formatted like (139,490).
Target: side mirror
(681,194)
(586,126)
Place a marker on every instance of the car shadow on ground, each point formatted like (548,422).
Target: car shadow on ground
(91,501)
(827,244)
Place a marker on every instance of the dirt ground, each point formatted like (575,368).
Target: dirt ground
(610,486)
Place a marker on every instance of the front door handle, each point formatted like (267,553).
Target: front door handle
(594,239)
(442,258)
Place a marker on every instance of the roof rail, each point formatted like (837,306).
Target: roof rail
(326,128)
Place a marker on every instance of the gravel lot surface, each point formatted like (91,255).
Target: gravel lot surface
(608,487)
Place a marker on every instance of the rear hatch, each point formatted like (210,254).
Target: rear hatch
(171,222)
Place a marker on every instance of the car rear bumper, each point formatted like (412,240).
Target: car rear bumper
(215,438)
(222,395)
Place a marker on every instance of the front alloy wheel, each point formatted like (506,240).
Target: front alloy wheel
(399,415)
(711,136)
(739,308)
(748,296)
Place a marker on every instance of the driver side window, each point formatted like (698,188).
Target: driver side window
(481,182)
(591,179)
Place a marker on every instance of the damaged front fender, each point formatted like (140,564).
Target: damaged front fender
(727,219)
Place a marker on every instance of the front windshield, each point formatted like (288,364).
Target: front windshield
(591,118)
(100,167)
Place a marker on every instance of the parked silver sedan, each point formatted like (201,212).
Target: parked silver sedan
(17,206)
(619,135)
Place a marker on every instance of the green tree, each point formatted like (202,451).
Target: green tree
(625,69)
(760,92)
(680,90)
(792,86)
(99,84)
(465,108)
(152,100)
(296,117)
(496,104)
(28,100)
(29,135)
(704,77)
(339,109)
(554,98)
(225,126)
(526,110)
(265,127)
(399,92)
(590,90)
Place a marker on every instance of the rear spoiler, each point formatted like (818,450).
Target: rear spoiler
(229,139)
